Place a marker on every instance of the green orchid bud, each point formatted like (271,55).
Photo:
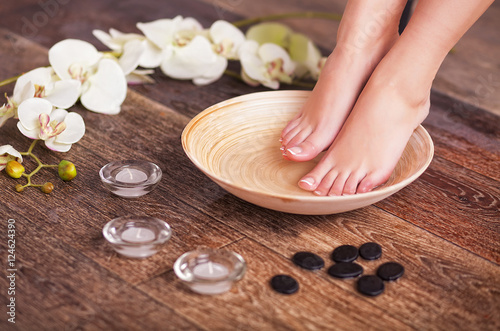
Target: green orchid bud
(47,187)
(14,169)
(67,170)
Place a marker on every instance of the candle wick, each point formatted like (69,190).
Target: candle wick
(139,233)
(130,173)
(210,268)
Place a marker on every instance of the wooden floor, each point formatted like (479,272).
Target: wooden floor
(444,228)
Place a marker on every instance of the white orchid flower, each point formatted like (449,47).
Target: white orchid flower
(38,119)
(187,53)
(44,83)
(123,43)
(104,86)
(227,39)
(196,61)
(302,50)
(267,64)
(8,153)
(168,33)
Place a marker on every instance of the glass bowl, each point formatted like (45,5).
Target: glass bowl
(130,178)
(137,236)
(210,271)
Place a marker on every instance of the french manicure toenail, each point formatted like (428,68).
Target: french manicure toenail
(317,192)
(309,181)
(295,150)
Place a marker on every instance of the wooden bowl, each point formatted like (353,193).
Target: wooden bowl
(236,144)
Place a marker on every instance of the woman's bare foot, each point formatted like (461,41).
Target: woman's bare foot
(365,35)
(374,136)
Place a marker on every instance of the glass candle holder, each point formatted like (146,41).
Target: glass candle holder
(130,178)
(210,271)
(137,236)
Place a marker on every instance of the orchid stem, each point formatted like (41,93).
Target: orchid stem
(9,80)
(40,165)
(274,17)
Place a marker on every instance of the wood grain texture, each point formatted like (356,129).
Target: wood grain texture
(444,228)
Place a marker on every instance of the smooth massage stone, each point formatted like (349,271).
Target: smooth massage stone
(345,253)
(390,271)
(284,284)
(370,251)
(308,260)
(345,270)
(370,285)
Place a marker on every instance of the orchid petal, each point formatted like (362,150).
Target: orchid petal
(107,40)
(132,52)
(55,146)
(189,23)
(107,90)
(214,72)
(252,66)
(269,32)
(65,93)
(40,76)
(75,129)
(8,149)
(190,61)
(221,30)
(152,56)
(23,93)
(70,51)
(30,133)
(161,31)
(29,112)
(58,115)
(140,77)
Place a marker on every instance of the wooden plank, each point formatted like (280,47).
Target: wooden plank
(465,135)
(456,204)
(59,288)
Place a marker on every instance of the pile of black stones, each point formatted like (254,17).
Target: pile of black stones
(344,267)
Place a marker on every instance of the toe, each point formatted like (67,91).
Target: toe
(371,181)
(303,152)
(326,183)
(338,185)
(351,185)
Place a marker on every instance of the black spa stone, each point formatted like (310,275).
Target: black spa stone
(308,260)
(370,285)
(390,271)
(370,251)
(345,270)
(345,253)
(284,284)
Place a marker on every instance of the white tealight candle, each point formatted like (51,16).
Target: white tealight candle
(211,271)
(131,176)
(137,236)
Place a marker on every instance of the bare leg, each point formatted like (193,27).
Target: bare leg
(394,101)
(367,31)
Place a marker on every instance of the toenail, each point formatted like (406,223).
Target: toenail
(309,181)
(317,193)
(295,150)
(282,148)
